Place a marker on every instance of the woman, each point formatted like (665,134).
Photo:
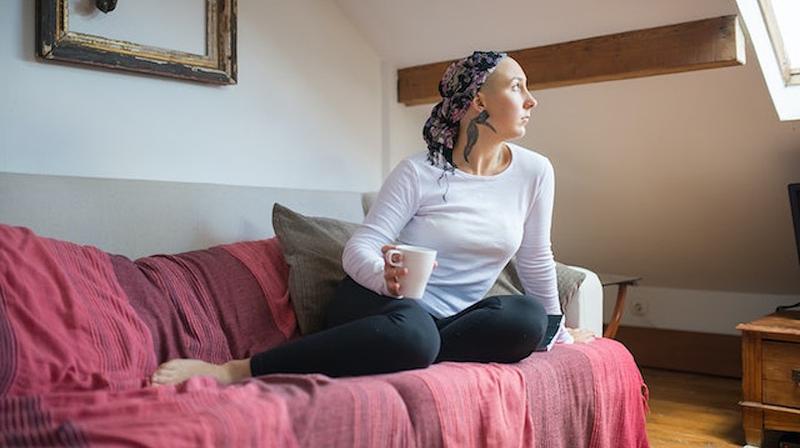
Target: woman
(477,200)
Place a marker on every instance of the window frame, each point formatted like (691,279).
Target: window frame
(790,76)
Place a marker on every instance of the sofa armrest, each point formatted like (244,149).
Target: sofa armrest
(585,310)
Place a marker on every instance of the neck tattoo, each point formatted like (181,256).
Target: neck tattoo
(472,132)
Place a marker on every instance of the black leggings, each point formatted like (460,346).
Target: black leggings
(368,333)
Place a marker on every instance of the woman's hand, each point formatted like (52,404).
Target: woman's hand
(392,274)
(581,335)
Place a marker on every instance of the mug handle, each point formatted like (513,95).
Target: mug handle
(388,257)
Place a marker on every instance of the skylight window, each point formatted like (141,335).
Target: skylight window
(772,26)
(782,18)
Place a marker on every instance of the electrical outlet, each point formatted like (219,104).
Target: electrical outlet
(639,308)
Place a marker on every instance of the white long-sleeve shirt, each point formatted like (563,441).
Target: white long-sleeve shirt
(484,221)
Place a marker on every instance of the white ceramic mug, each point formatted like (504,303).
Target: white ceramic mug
(419,262)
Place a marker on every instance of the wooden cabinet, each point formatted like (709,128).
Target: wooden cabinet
(770,375)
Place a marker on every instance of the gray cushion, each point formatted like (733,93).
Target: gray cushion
(569,280)
(313,249)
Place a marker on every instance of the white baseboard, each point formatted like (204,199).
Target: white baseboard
(693,310)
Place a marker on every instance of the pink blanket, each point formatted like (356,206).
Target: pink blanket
(82,330)
(68,325)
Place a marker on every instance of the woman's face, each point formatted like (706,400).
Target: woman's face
(506,97)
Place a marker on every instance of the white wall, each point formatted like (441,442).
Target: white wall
(305,114)
(702,311)
(680,179)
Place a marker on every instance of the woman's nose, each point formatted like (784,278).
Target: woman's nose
(531,103)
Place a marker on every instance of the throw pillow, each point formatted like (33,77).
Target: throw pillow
(569,280)
(312,247)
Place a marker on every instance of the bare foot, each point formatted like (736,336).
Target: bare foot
(581,335)
(179,370)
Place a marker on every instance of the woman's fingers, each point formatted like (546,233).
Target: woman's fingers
(393,273)
(394,285)
(392,276)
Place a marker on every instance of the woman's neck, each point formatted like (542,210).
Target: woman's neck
(486,158)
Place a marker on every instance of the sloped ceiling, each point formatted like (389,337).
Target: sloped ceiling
(413,32)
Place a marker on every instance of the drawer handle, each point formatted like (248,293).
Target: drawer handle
(796,376)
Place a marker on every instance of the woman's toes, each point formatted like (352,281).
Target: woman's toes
(166,374)
(160,379)
(169,365)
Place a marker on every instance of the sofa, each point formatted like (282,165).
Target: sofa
(82,329)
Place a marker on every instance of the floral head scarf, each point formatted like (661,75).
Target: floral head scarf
(459,85)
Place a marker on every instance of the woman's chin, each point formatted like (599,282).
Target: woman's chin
(513,133)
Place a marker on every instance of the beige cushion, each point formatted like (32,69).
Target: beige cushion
(568,279)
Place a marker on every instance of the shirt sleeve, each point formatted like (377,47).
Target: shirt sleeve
(536,266)
(395,205)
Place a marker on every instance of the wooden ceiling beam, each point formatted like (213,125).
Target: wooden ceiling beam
(699,45)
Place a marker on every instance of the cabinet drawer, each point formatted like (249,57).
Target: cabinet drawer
(780,363)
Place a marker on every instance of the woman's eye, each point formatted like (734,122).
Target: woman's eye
(515,87)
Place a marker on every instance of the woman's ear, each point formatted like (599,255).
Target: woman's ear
(477,103)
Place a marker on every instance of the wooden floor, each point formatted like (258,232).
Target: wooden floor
(690,410)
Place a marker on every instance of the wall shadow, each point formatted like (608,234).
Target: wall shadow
(27,35)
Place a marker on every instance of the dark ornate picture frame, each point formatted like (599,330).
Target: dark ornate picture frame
(55,42)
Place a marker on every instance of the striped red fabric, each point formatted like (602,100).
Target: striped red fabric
(187,290)
(207,304)
(71,326)
(548,399)
(620,396)
(198,412)
(344,412)
(480,405)
(80,330)
(560,387)
(265,261)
